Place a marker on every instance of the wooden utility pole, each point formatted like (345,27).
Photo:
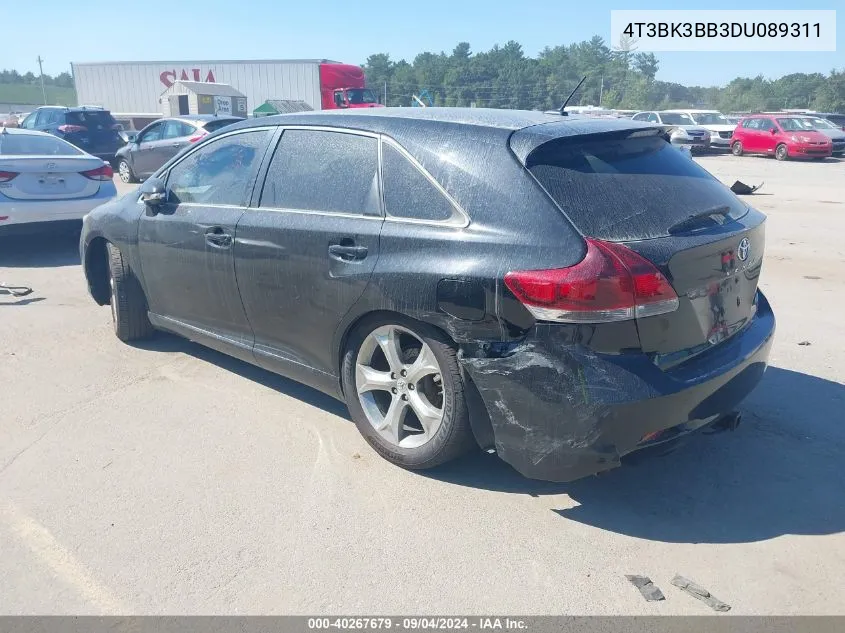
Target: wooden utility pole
(41,74)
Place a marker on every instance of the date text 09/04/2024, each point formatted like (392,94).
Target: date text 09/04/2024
(417,623)
(721,29)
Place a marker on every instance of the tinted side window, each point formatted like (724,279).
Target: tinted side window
(221,172)
(408,193)
(323,171)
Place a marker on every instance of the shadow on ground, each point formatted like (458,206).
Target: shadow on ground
(780,473)
(44,250)
(162,342)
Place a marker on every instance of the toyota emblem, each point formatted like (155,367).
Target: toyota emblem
(743,249)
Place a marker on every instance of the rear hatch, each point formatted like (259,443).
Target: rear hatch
(98,131)
(634,188)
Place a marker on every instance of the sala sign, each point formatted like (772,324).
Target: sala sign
(170,76)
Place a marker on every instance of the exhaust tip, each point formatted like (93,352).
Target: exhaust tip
(729,422)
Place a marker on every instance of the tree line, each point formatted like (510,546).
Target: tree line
(617,77)
(62,80)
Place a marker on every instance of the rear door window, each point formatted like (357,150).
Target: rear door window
(408,193)
(627,188)
(328,172)
(177,129)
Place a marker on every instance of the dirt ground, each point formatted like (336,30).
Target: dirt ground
(166,478)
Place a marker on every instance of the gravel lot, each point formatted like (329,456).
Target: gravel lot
(167,478)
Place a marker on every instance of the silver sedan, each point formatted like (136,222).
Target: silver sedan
(46,182)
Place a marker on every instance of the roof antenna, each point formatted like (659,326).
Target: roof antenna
(563,107)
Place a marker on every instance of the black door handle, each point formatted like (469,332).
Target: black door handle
(217,237)
(347,253)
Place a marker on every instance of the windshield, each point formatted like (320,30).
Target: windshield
(361,95)
(795,125)
(822,124)
(627,189)
(35,145)
(676,118)
(711,118)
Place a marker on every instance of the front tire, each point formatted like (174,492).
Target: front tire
(127,301)
(405,392)
(781,152)
(124,170)
(736,148)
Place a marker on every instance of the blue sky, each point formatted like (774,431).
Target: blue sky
(349,31)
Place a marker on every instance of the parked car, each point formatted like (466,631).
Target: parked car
(457,276)
(781,136)
(835,133)
(720,128)
(834,117)
(682,129)
(45,182)
(91,129)
(162,140)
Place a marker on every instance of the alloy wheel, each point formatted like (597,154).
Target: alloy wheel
(124,171)
(400,386)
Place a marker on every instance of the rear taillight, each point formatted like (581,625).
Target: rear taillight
(101,173)
(6,176)
(198,137)
(611,283)
(68,129)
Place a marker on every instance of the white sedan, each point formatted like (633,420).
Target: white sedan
(46,182)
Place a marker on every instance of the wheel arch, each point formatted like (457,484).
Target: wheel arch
(97,270)
(482,428)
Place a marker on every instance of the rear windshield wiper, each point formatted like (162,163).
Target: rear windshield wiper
(716,215)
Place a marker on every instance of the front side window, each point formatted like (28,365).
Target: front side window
(152,133)
(358,96)
(329,172)
(220,172)
(408,193)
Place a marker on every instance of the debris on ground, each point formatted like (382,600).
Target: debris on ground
(700,593)
(741,189)
(650,591)
(805,343)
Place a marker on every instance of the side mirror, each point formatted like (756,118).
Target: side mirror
(153,192)
(774,130)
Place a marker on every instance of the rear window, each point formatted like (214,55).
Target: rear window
(627,188)
(35,145)
(96,119)
(213,126)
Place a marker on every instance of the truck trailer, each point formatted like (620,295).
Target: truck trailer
(139,86)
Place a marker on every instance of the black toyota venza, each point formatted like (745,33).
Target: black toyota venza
(562,290)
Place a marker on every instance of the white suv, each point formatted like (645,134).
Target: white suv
(720,128)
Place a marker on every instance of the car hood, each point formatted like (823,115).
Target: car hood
(837,134)
(719,127)
(688,128)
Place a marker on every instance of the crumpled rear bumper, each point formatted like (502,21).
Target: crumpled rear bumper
(560,411)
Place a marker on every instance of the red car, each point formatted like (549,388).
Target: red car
(784,136)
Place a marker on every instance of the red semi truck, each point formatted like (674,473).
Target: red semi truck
(344,86)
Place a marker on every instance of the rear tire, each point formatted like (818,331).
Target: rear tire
(781,152)
(128,304)
(736,148)
(434,387)
(124,170)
